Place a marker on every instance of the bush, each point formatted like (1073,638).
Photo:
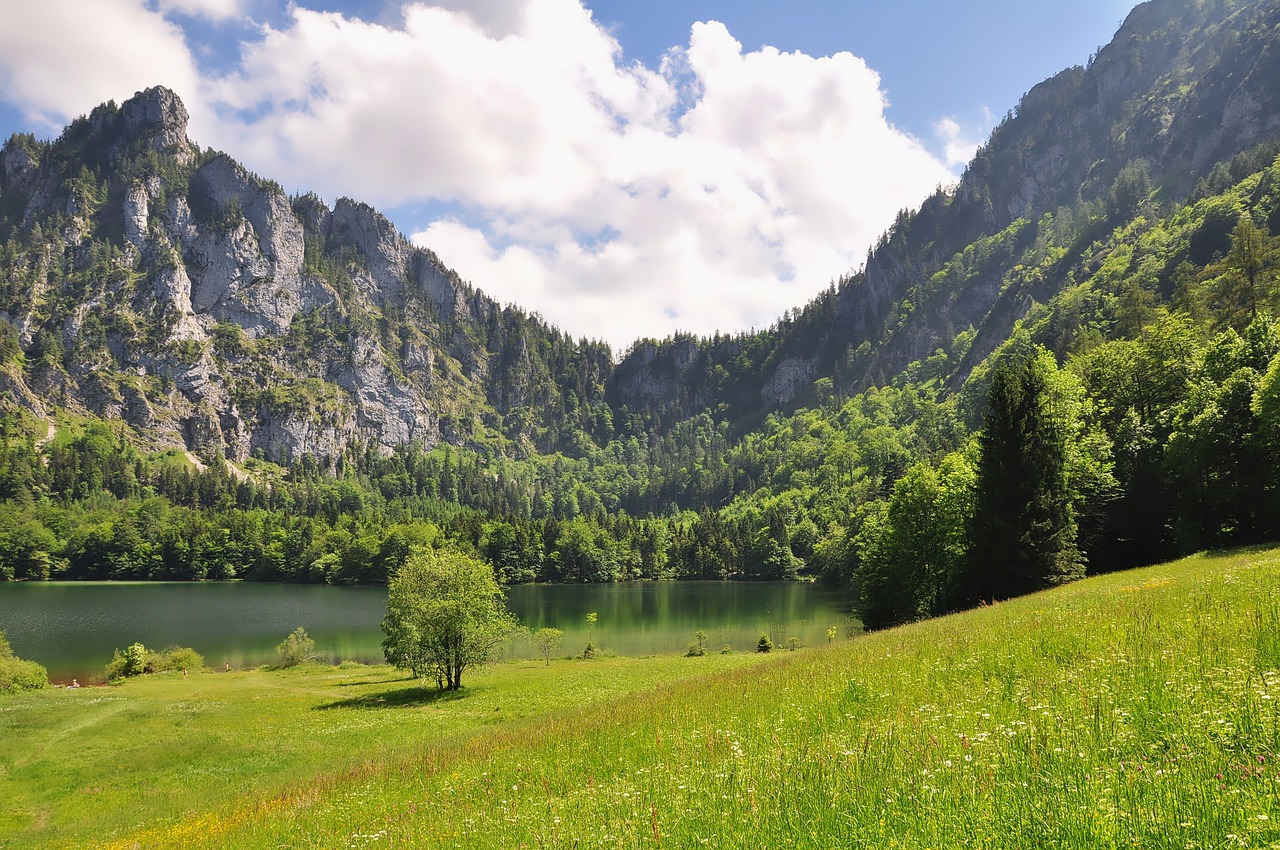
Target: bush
(18,675)
(295,649)
(137,659)
(131,662)
(173,659)
(765,644)
(698,646)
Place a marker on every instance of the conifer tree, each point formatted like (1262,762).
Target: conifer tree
(1022,536)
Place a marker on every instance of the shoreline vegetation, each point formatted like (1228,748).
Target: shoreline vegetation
(1131,709)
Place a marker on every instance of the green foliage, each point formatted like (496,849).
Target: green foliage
(698,646)
(445,614)
(590,650)
(765,644)
(17,674)
(1022,535)
(297,648)
(173,659)
(548,641)
(131,662)
(911,553)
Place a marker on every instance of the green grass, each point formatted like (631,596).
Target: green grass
(1131,710)
(89,766)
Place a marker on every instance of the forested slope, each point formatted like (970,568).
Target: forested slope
(1071,353)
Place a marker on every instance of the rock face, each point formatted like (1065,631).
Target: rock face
(1183,85)
(219,315)
(174,289)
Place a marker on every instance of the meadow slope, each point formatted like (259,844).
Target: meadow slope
(1136,709)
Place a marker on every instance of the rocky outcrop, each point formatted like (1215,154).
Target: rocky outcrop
(224,317)
(788,379)
(177,290)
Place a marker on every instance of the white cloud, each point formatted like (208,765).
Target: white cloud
(711,193)
(959,147)
(214,10)
(60,58)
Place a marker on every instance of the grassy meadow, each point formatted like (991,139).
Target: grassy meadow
(1137,709)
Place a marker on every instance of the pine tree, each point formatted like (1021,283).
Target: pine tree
(1022,536)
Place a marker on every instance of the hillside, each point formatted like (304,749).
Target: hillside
(1137,709)
(151,281)
(1183,87)
(1104,276)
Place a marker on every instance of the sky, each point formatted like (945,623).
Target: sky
(625,169)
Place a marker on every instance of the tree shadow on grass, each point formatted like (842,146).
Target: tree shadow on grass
(412,696)
(1240,549)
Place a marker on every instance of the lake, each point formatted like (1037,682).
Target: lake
(72,627)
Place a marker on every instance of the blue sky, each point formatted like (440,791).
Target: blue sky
(625,169)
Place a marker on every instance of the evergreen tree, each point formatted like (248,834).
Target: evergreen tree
(1022,536)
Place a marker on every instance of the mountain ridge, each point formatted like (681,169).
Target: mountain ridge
(199,303)
(1147,93)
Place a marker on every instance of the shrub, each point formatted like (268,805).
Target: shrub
(137,659)
(131,662)
(18,675)
(590,651)
(295,649)
(548,640)
(698,646)
(174,658)
(765,644)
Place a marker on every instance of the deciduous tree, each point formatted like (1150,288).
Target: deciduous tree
(445,614)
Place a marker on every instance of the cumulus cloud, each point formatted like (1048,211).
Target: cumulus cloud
(958,146)
(618,200)
(214,10)
(60,58)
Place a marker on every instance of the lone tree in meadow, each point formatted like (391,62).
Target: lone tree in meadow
(548,641)
(445,613)
(296,649)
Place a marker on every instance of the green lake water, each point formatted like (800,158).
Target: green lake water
(72,627)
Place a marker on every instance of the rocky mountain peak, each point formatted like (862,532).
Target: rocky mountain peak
(155,115)
(160,111)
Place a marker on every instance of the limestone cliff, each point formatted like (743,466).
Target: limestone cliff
(169,287)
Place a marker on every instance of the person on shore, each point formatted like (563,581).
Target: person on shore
(75,683)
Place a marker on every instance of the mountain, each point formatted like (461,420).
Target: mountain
(1070,354)
(1184,86)
(150,280)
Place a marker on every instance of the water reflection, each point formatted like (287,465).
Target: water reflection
(72,627)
